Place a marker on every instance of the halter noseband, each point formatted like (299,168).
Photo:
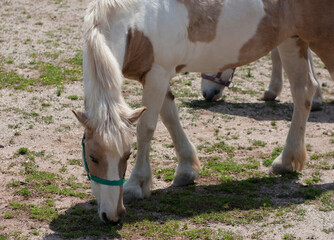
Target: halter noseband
(217,78)
(94,178)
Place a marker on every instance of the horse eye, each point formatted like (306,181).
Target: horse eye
(93,158)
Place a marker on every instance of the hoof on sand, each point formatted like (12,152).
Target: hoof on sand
(183,180)
(269,96)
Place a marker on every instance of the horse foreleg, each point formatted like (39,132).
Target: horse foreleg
(303,86)
(276,81)
(154,92)
(189,165)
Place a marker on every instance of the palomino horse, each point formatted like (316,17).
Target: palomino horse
(152,40)
(213,84)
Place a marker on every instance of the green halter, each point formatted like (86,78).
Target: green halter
(96,179)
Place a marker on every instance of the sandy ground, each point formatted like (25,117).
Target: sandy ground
(31,29)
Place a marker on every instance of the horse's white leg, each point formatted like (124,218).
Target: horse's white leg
(276,81)
(155,89)
(189,165)
(317,99)
(303,86)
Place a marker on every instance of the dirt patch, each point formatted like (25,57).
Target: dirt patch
(43,184)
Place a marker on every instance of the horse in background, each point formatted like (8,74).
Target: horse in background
(150,41)
(213,84)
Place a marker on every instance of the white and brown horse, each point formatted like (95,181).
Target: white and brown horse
(152,40)
(213,84)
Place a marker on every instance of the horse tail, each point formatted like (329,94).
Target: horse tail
(103,99)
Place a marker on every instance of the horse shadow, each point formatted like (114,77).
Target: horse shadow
(271,110)
(254,195)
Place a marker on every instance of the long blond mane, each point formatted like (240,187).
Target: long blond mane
(105,107)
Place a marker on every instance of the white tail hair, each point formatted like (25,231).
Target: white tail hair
(106,109)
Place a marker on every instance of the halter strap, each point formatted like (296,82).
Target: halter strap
(217,78)
(94,178)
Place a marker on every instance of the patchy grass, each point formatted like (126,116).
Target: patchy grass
(12,79)
(258,143)
(76,161)
(167,174)
(45,184)
(43,212)
(50,74)
(73,97)
(184,212)
(321,155)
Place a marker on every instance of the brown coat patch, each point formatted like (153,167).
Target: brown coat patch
(120,205)
(123,163)
(203,19)
(95,157)
(138,57)
(272,30)
(309,20)
(121,170)
(179,68)
(315,25)
(303,53)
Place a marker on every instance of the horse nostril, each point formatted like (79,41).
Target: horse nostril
(217,92)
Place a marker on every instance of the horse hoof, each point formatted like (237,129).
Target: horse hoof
(277,168)
(132,194)
(183,180)
(269,96)
(129,197)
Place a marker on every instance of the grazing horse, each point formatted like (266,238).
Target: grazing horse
(213,84)
(150,41)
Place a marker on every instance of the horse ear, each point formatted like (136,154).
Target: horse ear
(82,118)
(135,115)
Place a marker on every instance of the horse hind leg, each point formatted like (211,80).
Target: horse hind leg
(294,57)
(276,81)
(189,166)
(317,99)
(324,48)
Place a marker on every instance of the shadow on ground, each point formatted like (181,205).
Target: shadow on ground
(273,111)
(205,201)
